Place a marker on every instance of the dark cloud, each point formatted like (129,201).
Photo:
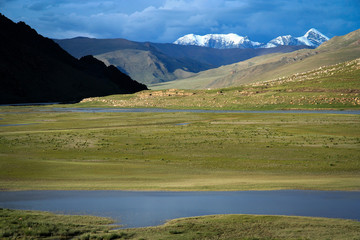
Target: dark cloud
(4,2)
(166,20)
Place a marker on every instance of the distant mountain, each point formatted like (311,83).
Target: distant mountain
(152,63)
(312,38)
(287,40)
(36,69)
(151,66)
(220,41)
(272,66)
(141,61)
(82,46)
(218,57)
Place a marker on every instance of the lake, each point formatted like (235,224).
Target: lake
(147,208)
(163,110)
(32,109)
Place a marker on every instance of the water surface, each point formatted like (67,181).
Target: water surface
(163,110)
(141,208)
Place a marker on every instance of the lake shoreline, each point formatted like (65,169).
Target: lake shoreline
(179,191)
(202,227)
(195,110)
(146,208)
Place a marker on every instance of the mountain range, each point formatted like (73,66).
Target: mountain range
(271,66)
(152,63)
(36,69)
(312,38)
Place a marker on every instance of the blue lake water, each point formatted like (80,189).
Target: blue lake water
(163,110)
(142,208)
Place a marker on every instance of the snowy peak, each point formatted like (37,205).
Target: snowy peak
(221,41)
(312,38)
(189,39)
(282,41)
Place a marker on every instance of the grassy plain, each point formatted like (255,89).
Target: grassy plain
(149,151)
(17,224)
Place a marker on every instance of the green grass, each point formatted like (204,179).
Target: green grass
(18,224)
(148,151)
(248,227)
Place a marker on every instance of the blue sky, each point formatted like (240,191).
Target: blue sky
(166,20)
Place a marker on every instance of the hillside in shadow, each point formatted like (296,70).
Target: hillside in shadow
(36,69)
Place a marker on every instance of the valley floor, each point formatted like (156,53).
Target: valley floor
(178,150)
(181,151)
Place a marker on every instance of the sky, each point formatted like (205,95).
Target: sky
(166,20)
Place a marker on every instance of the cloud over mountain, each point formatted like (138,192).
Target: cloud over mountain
(165,20)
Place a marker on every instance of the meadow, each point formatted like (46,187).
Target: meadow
(178,150)
(19,224)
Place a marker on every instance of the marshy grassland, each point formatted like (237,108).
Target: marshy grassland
(151,151)
(19,224)
(41,149)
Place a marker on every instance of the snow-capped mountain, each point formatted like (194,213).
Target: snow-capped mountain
(312,38)
(221,41)
(283,40)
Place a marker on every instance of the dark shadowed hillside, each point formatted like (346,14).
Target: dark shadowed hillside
(36,69)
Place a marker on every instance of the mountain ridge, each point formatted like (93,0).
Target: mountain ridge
(312,38)
(262,68)
(163,61)
(220,41)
